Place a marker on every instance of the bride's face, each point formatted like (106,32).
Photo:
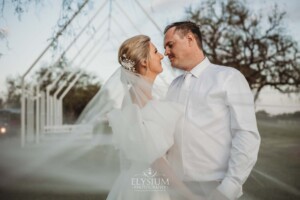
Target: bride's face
(155,60)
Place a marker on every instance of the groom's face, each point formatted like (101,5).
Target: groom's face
(176,48)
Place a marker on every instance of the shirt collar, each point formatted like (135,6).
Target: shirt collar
(196,71)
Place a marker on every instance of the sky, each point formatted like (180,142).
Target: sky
(29,36)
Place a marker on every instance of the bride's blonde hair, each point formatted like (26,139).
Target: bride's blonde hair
(134,50)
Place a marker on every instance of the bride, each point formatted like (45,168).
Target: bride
(143,128)
(142,123)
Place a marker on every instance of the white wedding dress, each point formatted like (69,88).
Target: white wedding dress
(143,135)
(142,128)
(139,126)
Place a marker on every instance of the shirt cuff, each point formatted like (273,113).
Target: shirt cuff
(230,189)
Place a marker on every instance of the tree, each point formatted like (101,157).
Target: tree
(85,88)
(262,114)
(20,7)
(3,36)
(1,103)
(254,44)
(13,94)
(75,100)
(68,8)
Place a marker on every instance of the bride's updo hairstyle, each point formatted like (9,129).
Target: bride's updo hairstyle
(133,51)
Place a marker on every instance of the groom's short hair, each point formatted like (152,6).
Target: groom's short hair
(185,27)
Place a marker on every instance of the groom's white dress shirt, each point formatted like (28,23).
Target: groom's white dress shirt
(218,139)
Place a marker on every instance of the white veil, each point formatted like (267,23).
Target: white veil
(133,128)
(110,96)
(143,131)
(72,162)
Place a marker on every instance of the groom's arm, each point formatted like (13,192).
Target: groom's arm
(245,136)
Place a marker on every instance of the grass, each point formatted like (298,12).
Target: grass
(276,174)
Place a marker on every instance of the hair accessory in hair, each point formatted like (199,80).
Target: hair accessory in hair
(127,63)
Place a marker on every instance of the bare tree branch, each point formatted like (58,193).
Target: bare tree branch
(234,36)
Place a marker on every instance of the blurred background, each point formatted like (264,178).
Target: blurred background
(56,55)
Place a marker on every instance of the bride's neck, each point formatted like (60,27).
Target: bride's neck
(145,86)
(150,79)
(146,90)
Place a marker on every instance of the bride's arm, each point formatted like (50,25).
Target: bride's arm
(162,166)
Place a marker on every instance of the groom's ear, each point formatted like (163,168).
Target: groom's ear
(191,39)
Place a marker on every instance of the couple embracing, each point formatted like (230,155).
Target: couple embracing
(200,139)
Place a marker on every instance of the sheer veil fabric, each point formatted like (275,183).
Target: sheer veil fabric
(109,97)
(68,162)
(133,128)
(143,130)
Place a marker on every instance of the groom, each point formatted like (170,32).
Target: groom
(217,145)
